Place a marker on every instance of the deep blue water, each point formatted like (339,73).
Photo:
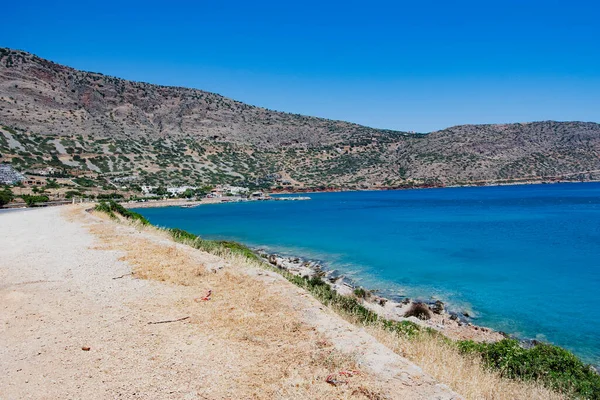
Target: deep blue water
(522,259)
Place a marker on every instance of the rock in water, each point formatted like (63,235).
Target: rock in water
(437,307)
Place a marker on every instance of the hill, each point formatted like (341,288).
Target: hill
(131,133)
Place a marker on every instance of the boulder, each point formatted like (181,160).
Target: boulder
(437,307)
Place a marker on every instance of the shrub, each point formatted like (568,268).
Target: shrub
(418,310)
(323,292)
(32,200)
(72,193)
(52,184)
(109,196)
(361,293)
(180,235)
(403,328)
(238,248)
(85,182)
(555,367)
(6,196)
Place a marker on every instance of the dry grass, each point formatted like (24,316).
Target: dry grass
(274,353)
(463,373)
(273,342)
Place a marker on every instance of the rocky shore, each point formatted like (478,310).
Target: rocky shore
(431,314)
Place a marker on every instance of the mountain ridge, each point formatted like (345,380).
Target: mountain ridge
(148,133)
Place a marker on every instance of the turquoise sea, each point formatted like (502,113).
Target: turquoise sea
(523,259)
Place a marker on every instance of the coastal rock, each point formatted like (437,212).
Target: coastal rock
(432,315)
(418,310)
(437,307)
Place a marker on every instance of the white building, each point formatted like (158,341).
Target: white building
(175,191)
(233,190)
(146,190)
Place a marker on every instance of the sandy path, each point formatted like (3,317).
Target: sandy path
(58,295)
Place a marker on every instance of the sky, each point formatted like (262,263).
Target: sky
(412,66)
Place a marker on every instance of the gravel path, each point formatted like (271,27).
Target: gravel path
(59,297)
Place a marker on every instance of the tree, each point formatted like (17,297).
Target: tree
(6,196)
(188,194)
(160,191)
(31,200)
(51,184)
(203,191)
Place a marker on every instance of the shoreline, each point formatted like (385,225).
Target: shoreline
(432,186)
(457,323)
(453,324)
(194,203)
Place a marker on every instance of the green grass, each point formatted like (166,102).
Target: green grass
(113,208)
(553,366)
(361,293)
(217,247)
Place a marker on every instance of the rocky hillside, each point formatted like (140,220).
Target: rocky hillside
(42,96)
(115,130)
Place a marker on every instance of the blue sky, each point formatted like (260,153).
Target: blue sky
(420,65)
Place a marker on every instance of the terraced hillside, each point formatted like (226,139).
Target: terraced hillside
(125,133)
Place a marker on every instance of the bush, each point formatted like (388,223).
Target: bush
(361,293)
(52,184)
(181,235)
(6,196)
(109,196)
(418,310)
(85,182)
(32,200)
(238,248)
(555,367)
(72,193)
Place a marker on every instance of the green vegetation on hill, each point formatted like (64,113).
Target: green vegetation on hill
(130,133)
(386,163)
